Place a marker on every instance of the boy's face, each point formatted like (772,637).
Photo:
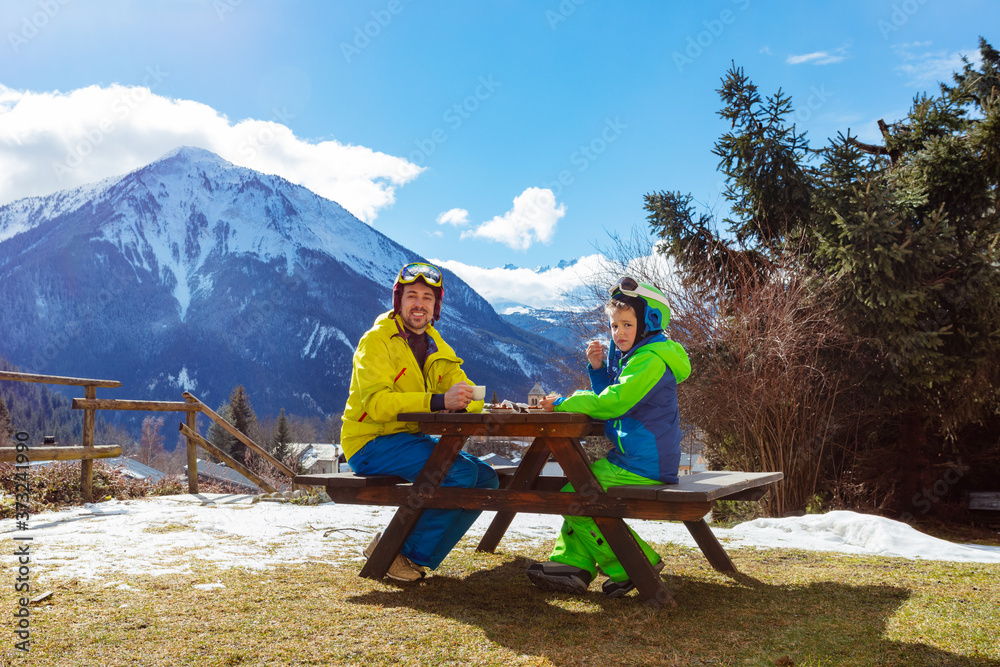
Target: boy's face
(623,328)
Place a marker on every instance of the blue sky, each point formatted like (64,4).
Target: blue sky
(480,134)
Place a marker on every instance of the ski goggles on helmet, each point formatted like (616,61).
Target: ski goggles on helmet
(429,273)
(631,287)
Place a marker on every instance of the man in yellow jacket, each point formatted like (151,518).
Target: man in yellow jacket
(403,365)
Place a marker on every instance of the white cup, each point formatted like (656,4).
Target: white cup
(478,392)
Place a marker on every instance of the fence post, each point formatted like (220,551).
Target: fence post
(87,440)
(191,419)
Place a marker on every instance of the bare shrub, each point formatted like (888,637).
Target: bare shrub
(57,485)
(768,388)
(263,468)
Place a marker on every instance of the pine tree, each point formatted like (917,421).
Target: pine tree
(217,435)
(6,427)
(281,439)
(907,237)
(243,418)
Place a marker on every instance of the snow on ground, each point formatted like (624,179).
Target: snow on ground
(171,534)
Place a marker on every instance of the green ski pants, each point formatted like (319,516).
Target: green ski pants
(580,542)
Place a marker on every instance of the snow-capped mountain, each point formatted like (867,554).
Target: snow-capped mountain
(559,326)
(192,273)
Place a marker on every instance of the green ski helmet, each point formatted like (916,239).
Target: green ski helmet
(657,312)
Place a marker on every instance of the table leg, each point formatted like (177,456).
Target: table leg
(524,477)
(406,517)
(569,452)
(710,546)
(639,570)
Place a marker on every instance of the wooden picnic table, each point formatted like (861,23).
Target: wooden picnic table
(523,489)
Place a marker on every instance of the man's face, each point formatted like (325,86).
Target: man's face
(417,306)
(623,328)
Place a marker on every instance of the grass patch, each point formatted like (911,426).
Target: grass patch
(480,609)
(172,527)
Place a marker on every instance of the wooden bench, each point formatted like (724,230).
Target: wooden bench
(558,435)
(985,505)
(688,501)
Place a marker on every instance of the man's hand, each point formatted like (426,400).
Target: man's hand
(595,354)
(458,397)
(547,402)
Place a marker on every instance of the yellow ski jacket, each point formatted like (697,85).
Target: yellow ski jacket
(386,381)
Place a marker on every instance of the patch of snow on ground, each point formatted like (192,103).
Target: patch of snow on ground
(166,535)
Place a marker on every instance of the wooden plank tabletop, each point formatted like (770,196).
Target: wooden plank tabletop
(534,424)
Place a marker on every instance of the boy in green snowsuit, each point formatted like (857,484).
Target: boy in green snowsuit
(636,395)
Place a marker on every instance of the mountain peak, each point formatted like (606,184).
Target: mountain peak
(189,158)
(189,154)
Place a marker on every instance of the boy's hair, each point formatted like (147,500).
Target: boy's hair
(634,303)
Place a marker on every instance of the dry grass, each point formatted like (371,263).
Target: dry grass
(480,609)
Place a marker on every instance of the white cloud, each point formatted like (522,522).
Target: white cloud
(455,216)
(819,57)
(538,289)
(51,141)
(922,67)
(566,288)
(533,218)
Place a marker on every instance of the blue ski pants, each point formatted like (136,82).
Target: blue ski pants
(404,454)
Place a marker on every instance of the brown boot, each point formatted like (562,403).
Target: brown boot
(402,568)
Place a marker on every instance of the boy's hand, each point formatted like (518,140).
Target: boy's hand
(547,402)
(458,397)
(595,354)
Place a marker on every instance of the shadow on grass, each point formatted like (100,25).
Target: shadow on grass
(720,621)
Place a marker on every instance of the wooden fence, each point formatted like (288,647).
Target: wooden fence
(88,451)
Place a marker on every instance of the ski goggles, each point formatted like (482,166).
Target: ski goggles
(631,287)
(429,273)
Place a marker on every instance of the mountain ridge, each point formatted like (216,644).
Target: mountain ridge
(193,273)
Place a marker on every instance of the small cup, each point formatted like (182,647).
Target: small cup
(478,392)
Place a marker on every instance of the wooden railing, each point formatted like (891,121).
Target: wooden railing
(191,433)
(88,451)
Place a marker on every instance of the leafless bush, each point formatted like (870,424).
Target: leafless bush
(261,467)
(768,387)
(57,485)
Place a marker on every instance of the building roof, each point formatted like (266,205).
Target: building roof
(135,470)
(536,390)
(223,473)
(495,460)
(129,467)
(311,452)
